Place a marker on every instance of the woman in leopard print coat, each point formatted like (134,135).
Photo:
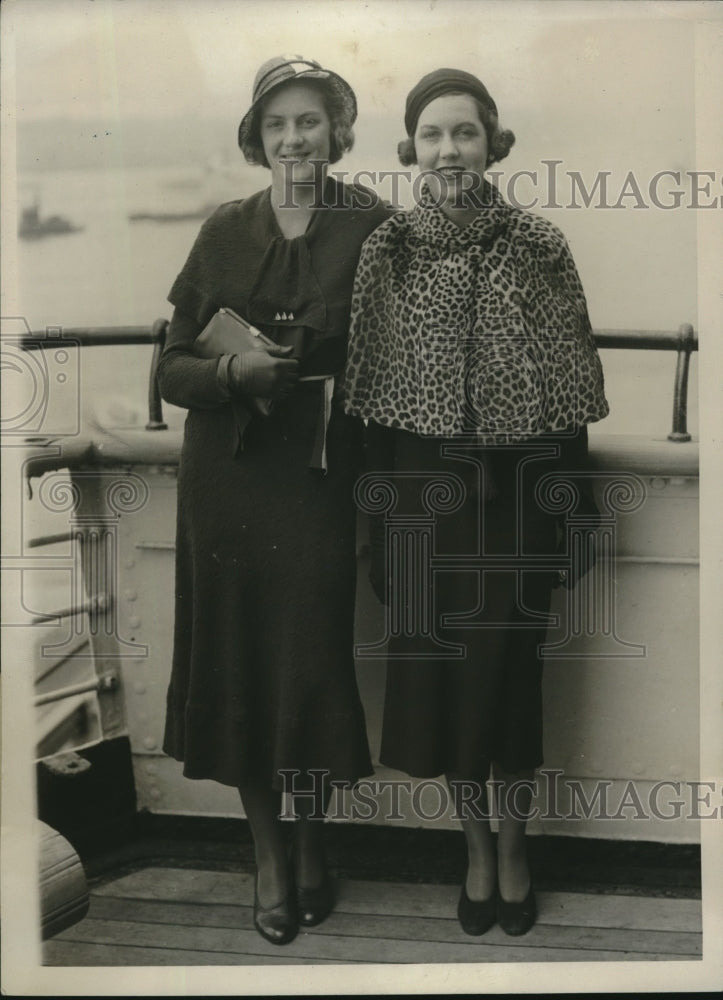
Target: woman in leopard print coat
(472,360)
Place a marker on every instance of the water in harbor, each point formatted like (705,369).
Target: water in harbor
(117,271)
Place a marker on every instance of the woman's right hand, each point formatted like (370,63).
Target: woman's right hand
(269,373)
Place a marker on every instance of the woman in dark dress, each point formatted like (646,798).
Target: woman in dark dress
(472,359)
(263,675)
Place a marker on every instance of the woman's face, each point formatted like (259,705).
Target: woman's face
(451,141)
(295,129)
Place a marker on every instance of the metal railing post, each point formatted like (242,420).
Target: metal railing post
(155,404)
(686,344)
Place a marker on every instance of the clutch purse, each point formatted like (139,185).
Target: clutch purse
(227,333)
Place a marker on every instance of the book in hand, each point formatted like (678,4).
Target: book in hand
(228,333)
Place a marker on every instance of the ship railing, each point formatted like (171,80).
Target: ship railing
(682,341)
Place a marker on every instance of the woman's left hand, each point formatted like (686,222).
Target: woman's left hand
(268,373)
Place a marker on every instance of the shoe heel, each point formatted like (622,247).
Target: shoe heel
(314,905)
(276,924)
(516,919)
(476,916)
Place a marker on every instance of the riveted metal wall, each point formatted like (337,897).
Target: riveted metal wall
(621,730)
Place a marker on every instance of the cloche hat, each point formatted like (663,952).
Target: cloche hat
(282,69)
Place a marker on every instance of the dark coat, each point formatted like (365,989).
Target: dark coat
(263,672)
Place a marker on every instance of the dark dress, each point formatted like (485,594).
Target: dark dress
(263,673)
(449,715)
(471,354)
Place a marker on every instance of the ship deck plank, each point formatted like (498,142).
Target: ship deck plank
(182,916)
(410,899)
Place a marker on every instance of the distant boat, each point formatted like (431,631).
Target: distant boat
(196,213)
(215,183)
(33,225)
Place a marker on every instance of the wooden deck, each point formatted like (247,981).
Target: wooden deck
(162,916)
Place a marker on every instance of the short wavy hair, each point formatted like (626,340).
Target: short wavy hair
(338,109)
(499,140)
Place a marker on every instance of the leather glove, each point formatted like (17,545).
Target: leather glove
(269,373)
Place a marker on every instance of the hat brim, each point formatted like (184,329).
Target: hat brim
(336,83)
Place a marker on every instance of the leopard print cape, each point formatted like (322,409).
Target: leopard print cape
(481,331)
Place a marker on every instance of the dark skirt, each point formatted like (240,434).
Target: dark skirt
(263,673)
(455,715)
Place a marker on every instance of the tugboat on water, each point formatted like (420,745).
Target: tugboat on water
(33,225)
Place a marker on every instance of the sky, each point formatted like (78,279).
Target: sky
(165,57)
(596,85)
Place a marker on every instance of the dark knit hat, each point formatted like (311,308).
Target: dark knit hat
(282,69)
(437,83)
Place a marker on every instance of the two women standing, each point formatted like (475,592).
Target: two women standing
(445,296)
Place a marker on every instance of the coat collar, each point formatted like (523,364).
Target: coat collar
(431,226)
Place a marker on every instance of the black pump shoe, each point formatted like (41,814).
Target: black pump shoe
(476,916)
(315,905)
(277,924)
(517,918)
